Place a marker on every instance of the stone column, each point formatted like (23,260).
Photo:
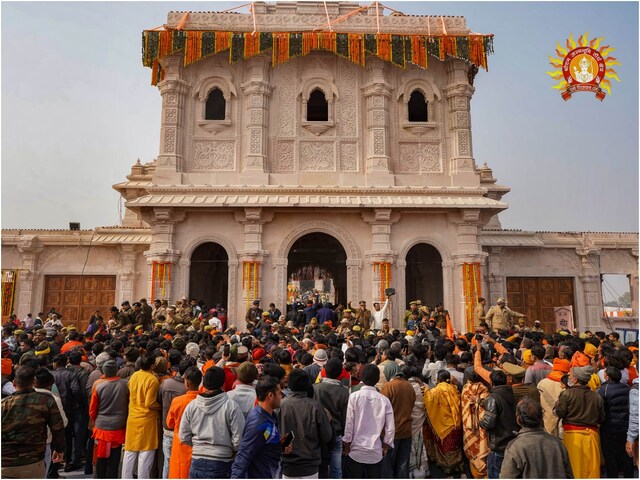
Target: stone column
(253,220)
(495,276)
(380,220)
(162,248)
(30,248)
(591,290)
(633,283)
(377,95)
(127,273)
(401,294)
(256,98)
(458,94)
(173,90)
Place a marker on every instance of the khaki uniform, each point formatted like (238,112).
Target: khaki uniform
(501,318)
(478,315)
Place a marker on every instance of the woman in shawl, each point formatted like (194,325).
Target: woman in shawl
(476,442)
(444,432)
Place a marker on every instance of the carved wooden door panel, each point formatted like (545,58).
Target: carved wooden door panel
(77,297)
(537,296)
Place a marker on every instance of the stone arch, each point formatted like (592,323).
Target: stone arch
(445,254)
(185,267)
(354,259)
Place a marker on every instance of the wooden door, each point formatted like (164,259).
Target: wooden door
(77,297)
(536,297)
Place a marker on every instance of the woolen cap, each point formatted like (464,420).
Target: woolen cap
(320,357)
(582,373)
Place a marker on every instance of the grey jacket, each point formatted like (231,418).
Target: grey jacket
(212,425)
(535,454)
(632,432)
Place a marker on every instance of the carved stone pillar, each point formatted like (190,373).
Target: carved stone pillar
(256,95)
(127,274)
(30,248)
(253,220)
(174,91)
(495,276)
(163,223)
(380,220)
(458,94)
(377,95)
(633,283)
(401,294)
(591,288)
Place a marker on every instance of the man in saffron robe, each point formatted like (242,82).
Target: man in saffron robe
(180,453)
(142,424)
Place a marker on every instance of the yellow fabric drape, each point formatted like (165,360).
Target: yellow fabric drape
(583,447)
(443,407)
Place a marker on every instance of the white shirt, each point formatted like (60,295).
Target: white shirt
(369,413)
(376,317)
(216,323)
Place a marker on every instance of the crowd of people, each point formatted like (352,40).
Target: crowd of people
(181,391)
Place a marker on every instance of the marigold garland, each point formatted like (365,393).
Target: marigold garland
(397,49)
(472,290)
(160,279)
(9,282)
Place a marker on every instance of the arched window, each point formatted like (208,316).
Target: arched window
(215,106)
(417,107)
(317,107)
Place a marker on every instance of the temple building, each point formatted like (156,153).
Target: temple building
(308,148)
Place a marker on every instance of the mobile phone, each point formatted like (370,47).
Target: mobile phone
(226,350)
(288,439)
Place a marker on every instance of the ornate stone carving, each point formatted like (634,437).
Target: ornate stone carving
(378,142)
(378,117)
(284,159)
(419,158)
(378,101)
(256,138)
(461,102)
(256,116)
(213,155)
(169,140)
(255,101)
(464,142)
(286,107)
(348,157)
(348,101)
(317,156)
(171,99)
(463,120)
(171,115)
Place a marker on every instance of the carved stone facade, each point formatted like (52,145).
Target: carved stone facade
(266,175)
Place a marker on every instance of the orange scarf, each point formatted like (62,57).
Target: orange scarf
(560,367)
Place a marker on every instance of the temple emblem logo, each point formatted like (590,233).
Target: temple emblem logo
(583,66)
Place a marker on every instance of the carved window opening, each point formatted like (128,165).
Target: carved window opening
(418,108)
(216,106)
(317,107)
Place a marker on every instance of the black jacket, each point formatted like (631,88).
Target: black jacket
(500,417)
(305,417)
(334,397)
(616,406)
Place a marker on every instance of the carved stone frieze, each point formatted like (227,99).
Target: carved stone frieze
(169,140)
(349,117)
(419,158)
(464,141)
(214,155)
(284,156)
(317,156)
(349,157)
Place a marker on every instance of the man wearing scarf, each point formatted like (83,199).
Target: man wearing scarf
(550,389)
(476,442)
(445,423)
(582,411)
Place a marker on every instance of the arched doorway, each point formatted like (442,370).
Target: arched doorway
(318,261)
(209,274)
(424,275)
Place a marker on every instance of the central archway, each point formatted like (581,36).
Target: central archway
(209,274)
(318,261)
(423,275)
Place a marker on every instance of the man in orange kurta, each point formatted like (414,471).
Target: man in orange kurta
(180,461)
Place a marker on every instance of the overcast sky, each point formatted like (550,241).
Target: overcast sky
(78,110)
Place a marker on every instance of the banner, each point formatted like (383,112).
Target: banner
(472,286)
(9,283)
(160,280)
(399,50)
(564,317)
